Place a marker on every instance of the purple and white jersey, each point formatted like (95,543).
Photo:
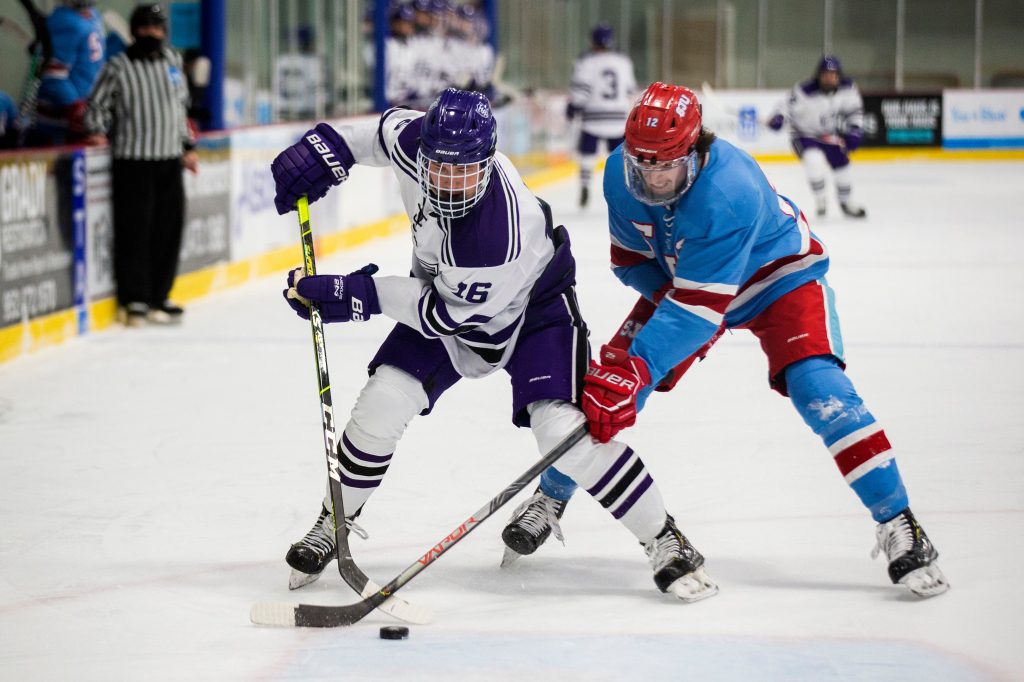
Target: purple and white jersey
(603,89)
(812,112)
(472,276)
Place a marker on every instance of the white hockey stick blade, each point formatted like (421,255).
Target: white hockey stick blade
(117,24)
(926,581)
(276,613)
(693,586)
(510,557)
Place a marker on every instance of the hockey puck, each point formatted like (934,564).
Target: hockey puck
(394,632)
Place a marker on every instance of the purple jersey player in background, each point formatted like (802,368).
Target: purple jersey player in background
(697,230)
(826,117)
(77,34)
(492,287)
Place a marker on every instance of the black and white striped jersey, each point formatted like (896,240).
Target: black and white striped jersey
(141,104)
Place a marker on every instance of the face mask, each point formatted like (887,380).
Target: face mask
(149,44)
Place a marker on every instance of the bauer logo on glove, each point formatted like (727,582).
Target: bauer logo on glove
(611,391)
(611,378)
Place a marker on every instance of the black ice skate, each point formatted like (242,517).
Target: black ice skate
(678,566)
(310,556)
(531,524)
(911,555)
(584,197)
(852,210)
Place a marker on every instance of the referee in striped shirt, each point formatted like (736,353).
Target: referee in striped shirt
(140,101)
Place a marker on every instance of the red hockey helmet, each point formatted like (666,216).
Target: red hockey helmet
(660,147)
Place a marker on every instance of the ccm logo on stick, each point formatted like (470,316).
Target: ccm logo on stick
(328,156)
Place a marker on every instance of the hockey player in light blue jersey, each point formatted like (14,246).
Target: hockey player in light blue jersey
(76,31)
(699,232)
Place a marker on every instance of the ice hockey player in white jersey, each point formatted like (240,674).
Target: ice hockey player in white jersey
(826,118)
(492,287)
(601,94)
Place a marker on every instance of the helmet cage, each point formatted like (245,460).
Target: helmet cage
(453,189)
(637,170)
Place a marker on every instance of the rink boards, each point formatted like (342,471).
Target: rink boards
(56,278)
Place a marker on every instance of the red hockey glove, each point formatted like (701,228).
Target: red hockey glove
(635,321)
(609,396)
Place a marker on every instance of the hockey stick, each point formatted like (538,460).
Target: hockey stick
(711,97)
(41,51)
(309,615)
(117,25)
(347,567)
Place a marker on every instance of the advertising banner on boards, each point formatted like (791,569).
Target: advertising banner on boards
(892,120)
(974,119)
(36,236)
(206,240)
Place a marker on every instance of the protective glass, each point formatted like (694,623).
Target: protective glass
(660,183)
(453,188)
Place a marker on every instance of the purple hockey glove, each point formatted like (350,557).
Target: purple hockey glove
(341,298)
(853,138)
(310,166)
(776,122)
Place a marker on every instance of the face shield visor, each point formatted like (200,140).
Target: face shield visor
(453,188)
(660,183)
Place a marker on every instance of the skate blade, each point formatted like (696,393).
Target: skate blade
(693,587)
(926,581)
(510,557)
(299,579)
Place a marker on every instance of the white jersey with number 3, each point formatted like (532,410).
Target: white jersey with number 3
(602,89)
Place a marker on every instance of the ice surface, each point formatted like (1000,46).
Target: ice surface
(151,481)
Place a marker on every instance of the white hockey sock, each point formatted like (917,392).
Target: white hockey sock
(611,472)
(816,167)
(843,184)
(386,405)
(587,165)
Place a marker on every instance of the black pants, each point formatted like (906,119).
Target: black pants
(149,216)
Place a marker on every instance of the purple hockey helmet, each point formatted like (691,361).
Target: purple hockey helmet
(457,143)
(603,35)
(830,63)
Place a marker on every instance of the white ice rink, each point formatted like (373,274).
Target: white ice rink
(152,480)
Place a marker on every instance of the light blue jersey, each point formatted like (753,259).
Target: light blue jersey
(78,54)
(723,253)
